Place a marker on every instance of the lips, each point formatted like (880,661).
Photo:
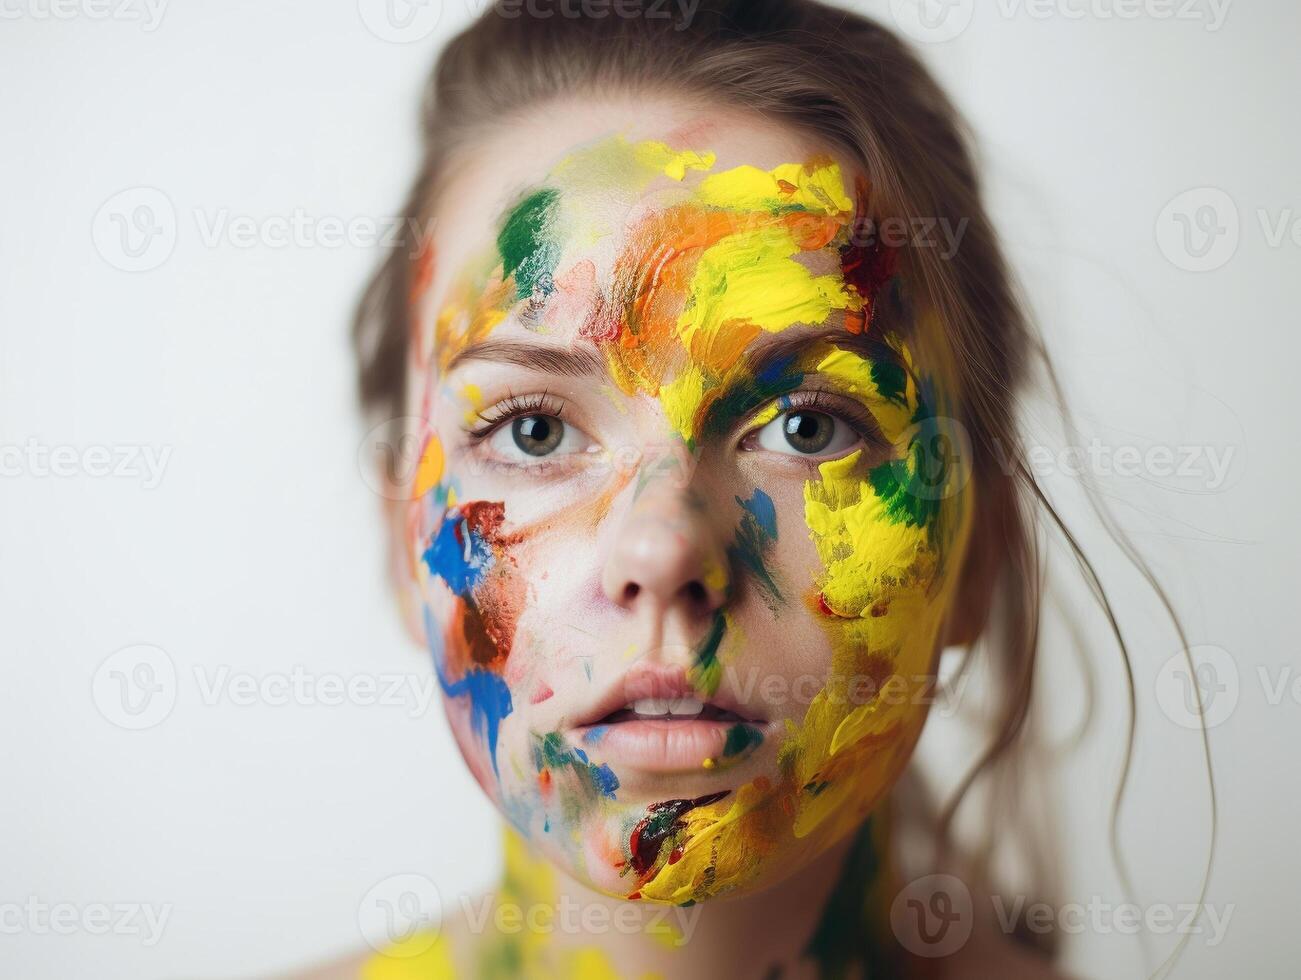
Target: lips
(652,719)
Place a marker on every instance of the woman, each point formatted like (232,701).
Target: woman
(714,466)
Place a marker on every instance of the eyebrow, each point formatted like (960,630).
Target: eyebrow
(766,360)
(570,362)
(779,353)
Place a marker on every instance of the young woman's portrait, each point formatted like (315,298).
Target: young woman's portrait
(602,489)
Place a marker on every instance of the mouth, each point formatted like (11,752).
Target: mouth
(656,723)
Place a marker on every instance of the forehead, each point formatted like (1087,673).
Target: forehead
(570,143)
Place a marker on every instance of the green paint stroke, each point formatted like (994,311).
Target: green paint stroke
(707,672)
(850,940)
(528,252)
(741,739)
(552,753)
(891,380)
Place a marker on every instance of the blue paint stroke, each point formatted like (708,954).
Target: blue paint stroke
(764,511)
(551,752)
(489,696)
(458,555)
(754,536)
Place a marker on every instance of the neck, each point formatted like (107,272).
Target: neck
(826,920)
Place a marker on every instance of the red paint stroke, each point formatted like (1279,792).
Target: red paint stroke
(484,623)
(867,268)
(543,693)
(661,829)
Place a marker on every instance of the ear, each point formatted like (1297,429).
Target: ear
(398,514)
(983,563)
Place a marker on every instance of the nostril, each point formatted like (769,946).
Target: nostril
(696,591)
(630,591)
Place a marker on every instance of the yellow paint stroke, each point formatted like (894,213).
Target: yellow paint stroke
(866,555)
(430,468)
(423,956)
(471,395)
(816,186)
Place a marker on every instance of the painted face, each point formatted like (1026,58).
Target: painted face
(683,563)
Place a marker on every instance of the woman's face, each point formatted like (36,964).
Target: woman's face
(682,567)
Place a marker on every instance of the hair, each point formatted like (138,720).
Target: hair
(854,86)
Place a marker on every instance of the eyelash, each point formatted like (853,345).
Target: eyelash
(513,407)
(816,399)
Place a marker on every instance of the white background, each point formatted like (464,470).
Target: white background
(263,826)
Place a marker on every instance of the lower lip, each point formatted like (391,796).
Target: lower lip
(665,745)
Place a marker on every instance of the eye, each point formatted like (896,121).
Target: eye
(530,437)
(806,433)
(537,435)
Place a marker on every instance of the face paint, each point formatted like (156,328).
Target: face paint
(682,279)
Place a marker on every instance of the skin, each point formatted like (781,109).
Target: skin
(675,532)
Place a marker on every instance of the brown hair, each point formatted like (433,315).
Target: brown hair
(853,85)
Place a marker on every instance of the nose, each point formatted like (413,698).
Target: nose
(667,553)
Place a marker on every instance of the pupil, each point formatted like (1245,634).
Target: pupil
(537,435)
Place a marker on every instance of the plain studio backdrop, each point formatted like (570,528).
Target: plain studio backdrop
(190,553)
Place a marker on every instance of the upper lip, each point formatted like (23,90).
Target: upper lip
(660,682)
